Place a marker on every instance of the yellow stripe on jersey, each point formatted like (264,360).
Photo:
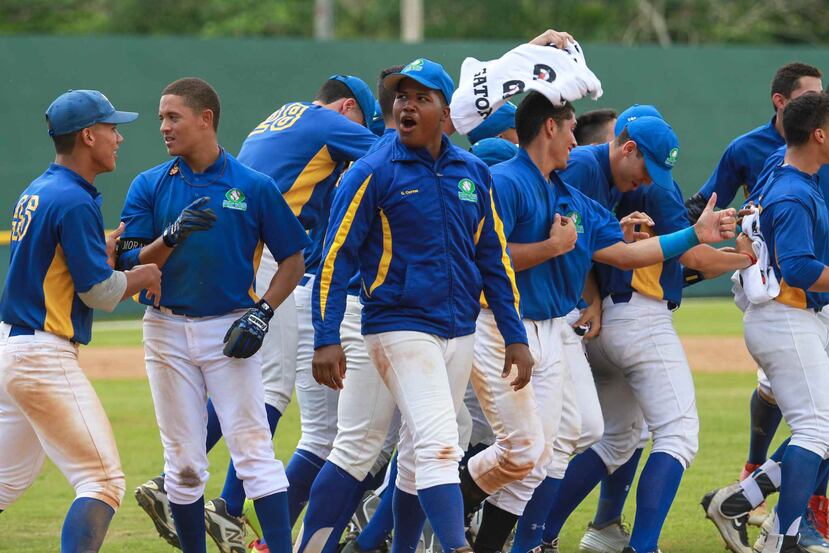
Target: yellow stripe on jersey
(480,229)
(318,169)
(339,240)
(385,259)
(257,257)
(505,259)
(789,295)
(58,293)
(645,280)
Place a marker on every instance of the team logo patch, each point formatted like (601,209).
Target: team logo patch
(672,156)
(235,199)
(416,65)
(466,191)
(576,218)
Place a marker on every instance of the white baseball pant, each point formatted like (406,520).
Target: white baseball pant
(185,364)
(279,349)
(641,372)
(426,376)
(525,422)
(48,407)
(481,430)
(792,345)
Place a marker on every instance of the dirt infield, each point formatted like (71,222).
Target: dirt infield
(709,354)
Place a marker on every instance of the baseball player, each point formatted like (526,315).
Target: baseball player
(795,225)
(632,380)
(596,127)
(204,336)
(551,282)
(415,212)
(60,269)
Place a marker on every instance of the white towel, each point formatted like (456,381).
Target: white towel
(756,284)
(561,75)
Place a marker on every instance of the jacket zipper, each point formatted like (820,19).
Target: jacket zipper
(446,249)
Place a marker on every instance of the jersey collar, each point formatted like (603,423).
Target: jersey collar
(210,175)
(448,153)
(82,182)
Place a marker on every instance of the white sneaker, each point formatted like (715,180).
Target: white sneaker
(225,529)
(732,529)
(611,537)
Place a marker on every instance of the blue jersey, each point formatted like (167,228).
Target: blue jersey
(427,241)
(776,160)
(58,249)
(212,272)
(795,225)
(588,170)
(527,203)
(661,281)
(742,163)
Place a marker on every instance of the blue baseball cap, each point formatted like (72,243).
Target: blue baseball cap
(361,91)
(656,140)
(502,119)
(494,150)
(634,112)
(77,109)
(377,126)
(426,72)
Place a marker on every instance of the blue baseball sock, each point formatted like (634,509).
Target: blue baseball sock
(765,418)
(614,491)
(822,479)
(584,471)
(799,472)
(301,472)
(654,495)
(530,528)
(409,520)
(85,525)
(189,521)
(214,429)
(331,494)
(272,511)
(382,521)
(777,456)
(443,505)
(234,491)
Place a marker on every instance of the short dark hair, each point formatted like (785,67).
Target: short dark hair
(623,137)
(786,78)
(590,125)
(198,95)
(803,115)
(385,96)
(533,111)
(65,143)
(333,90)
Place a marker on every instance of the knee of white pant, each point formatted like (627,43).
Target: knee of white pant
(557,465)
(436,465)
(683,446)
(185,484)
(278,400)
(592,429)
(357,457)
(10,491)
(405,475)
(253,458)
(320,441)
(509,460)
(109,490)
(615,449)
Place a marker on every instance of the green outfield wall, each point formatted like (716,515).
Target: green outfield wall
(709,94)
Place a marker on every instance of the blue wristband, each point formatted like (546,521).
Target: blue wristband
(677,243)
(128,259)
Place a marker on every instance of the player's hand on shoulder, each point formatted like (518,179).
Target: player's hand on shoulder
(715,226)
(328,366)
(563,235)
(112,244)
(551,37)
(246,334)
(149,278)
(193,218)
(518,355)
(629,223)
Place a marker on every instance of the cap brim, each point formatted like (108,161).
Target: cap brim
(659,175)
(120,117)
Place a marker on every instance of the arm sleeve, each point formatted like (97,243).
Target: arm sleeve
(794,244)
(280,230)
(82,238)
(348,141)
(137,214)
(498,274)
(106,295)
(725,180)
(508,202)
(352,213)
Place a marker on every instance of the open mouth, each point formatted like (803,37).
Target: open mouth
(407,123)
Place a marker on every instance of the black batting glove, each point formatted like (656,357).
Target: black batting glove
(245,335)
(695,206)
(192,218)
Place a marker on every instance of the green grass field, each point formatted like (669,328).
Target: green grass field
(33,523)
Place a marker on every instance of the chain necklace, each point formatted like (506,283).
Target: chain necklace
(174,170)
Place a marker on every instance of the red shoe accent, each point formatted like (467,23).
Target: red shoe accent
(748,469)
(820,506)
(256,546)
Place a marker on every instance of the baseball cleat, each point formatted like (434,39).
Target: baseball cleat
(152,497)
(251,518)
(732,529)
(430,540)
(776,543)
(629,549)
(759,514)
(225,529)
(259,547)
(550,547)
(810,538)
(819,505)
(610,537)
(350,546)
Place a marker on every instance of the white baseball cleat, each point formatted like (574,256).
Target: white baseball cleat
(732,529)
(223,528)
(610,537)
